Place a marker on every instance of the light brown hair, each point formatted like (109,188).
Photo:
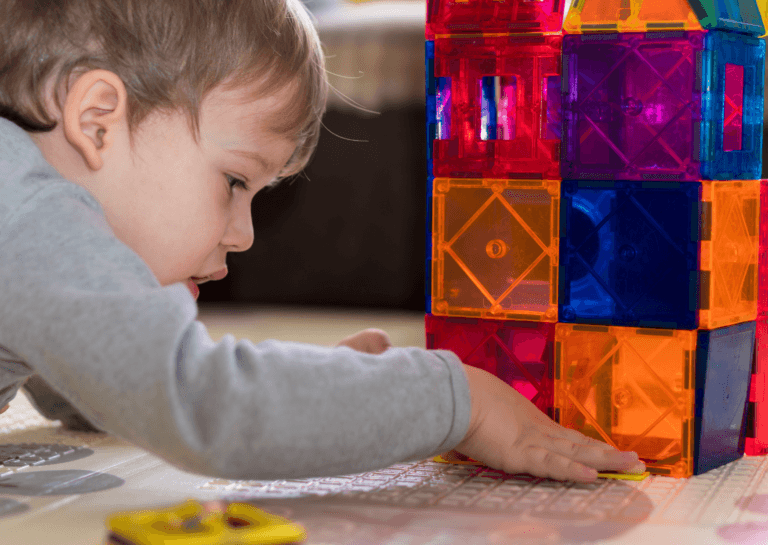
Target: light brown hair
(169,55)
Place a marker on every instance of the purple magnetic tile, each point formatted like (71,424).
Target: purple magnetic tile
(631,107)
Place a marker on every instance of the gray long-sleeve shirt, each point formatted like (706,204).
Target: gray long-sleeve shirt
(82,310)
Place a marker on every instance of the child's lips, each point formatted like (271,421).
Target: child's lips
(218,275)
(193,281)
(193,289)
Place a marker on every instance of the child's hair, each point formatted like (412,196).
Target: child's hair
(169,54)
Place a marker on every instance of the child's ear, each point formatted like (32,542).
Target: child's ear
(94,111)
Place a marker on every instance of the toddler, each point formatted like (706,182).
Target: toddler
(133,137)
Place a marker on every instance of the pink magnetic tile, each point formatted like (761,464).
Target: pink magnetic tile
(519,353)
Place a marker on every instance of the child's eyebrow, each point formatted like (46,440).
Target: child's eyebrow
(265,165)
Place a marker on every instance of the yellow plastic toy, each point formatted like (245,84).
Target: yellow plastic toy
(454,457)
(190,524)
(624,476)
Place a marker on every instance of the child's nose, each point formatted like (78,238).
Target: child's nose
(239,235)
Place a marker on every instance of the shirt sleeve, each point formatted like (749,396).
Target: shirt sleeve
(53,406)
(91,319)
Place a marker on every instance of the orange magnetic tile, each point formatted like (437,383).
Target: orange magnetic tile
(762,6)
(729,252)
(495,248)
(589,16)
(632,388)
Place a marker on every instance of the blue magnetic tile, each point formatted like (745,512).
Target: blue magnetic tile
(488,108)
(629,253)
(429,65)
(431,135)
(663,106)
(429,54)
(723,372)
(553,128)
(443,108)
(722,49)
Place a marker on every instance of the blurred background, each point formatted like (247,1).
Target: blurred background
(350,231)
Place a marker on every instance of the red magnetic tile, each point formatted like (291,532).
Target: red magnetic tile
(757,430)
(519,353)
(762,275)
(493,16)
(498,107)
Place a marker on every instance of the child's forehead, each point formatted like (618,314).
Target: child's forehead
(260,110)
(240,119)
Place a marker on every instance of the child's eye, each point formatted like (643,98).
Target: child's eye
(235,182)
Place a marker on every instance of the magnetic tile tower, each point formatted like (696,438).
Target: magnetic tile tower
(594,218)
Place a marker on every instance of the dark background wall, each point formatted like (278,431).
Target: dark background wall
(352,231)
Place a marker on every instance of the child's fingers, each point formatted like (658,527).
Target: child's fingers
(580,438)
(556,430)
(371,341)
(593,455)
(543,462)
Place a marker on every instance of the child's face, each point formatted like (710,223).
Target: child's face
(174,202)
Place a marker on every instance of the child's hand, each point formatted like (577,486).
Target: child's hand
(508,432)
(370,341)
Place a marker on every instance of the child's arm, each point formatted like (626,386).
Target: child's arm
(53,406)
(85,313)
(508,432)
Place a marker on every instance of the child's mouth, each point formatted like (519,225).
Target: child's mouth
(194,290)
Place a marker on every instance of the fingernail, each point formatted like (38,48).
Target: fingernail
(589,473)
(630,456)
(636,469)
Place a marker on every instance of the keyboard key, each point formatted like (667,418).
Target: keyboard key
(451,502)
(15,463)
(488,504)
